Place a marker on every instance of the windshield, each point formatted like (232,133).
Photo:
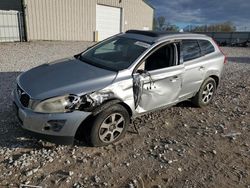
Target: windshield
(116,54)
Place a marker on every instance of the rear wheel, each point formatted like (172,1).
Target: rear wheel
(205,94)
(109,126)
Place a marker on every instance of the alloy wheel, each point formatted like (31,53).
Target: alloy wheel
(207,93)
(111,128)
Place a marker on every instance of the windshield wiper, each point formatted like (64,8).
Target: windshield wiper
(85,60)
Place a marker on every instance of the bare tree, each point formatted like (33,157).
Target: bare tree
(219,27)
(171,27)
(155,24)
(161,22)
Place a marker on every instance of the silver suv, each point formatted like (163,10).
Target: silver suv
(94,95)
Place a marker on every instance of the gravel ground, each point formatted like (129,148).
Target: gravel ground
(181,146)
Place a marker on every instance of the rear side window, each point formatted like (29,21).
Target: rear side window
(206,47)
(190,49)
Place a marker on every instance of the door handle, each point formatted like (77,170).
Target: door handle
(174,79)
(202,68)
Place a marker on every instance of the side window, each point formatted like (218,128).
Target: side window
(191,50)
(206,47)
(161,58)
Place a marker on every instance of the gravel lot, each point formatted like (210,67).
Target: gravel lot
(181,146)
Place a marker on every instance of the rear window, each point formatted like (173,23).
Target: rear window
(206,47)
(191,50)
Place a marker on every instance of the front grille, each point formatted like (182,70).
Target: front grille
(23,97)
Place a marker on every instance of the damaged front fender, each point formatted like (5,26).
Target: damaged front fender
(90,102)
(120,91)
(98,101)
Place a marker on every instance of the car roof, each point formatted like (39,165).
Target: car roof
(157,36)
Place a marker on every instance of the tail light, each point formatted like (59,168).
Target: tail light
(225,57)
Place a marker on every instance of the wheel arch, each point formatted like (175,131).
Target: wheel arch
(216,78)
(111,102)
(84,124)
(215,74)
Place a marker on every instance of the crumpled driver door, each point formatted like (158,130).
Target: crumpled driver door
(157,88)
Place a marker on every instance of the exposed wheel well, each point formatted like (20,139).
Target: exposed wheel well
(79,135)
(216,78)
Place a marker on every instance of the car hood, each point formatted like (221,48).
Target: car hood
(66,76)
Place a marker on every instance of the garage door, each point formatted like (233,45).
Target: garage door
(108,21)
(10,26)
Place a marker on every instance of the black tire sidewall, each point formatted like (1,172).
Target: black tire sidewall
(98,120)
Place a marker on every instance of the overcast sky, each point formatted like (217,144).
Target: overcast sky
(184,12)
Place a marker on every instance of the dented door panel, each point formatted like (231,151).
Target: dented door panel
(193,77)
(161,89)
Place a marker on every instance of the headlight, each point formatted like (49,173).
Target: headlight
(57,104)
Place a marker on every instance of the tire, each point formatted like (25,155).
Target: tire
(109,126)
(205,94)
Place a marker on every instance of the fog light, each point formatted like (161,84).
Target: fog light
(55,125)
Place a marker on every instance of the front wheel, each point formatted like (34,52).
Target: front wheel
(109,126)
(205,94)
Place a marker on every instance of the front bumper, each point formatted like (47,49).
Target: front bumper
(60,140)
(38,123)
